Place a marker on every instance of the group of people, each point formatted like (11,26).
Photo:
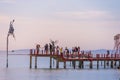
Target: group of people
(52,49)
(67,52)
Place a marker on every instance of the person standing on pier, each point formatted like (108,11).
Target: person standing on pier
(50,47)
(46,48)
(67,52)
(78,50)
(57,50)
(61,50)
(37,48)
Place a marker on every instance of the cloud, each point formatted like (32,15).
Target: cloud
(8,1)
(85,15)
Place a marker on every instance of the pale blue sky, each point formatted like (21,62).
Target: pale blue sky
(90,24)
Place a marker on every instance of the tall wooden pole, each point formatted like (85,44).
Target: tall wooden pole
(10,32)
(7,52)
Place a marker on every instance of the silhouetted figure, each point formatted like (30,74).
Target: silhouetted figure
(73,50)
(37,48)
(46,48)
(50,46)
(53,47)
(61,50)
(78,50)
(108,52)
(57,50)
(67,52)
(83,53)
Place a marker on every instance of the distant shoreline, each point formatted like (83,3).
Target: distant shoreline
(13,54)
(18,54)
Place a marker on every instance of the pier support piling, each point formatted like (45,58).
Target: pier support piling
(30,61)
(107,63)
(74,64)
(111,64)
(91,65)
(97,64)
(115,63)
(104,64)
(80,64)
(119,63)
(31,58)
(64,64)
(70,63)
(101,63)
(36,62)
(57,64)
(50,62)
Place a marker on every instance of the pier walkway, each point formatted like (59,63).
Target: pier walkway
(77,57)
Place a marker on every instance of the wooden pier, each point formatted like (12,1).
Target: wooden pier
(110,59)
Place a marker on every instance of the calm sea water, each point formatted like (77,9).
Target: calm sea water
(19,70)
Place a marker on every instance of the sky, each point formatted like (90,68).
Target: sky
(90,24)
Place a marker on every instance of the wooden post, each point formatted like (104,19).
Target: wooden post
(30,58)
(79,64)
(91,66)
(97,64)
(70,63)
(82,64)
(30,61)
(57,63)
(119,63)
(101,63)
(115,63)
(112,64)
(107,63)
(74,64)
(104,64)
(50,61)
(35,61)
(64,64)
